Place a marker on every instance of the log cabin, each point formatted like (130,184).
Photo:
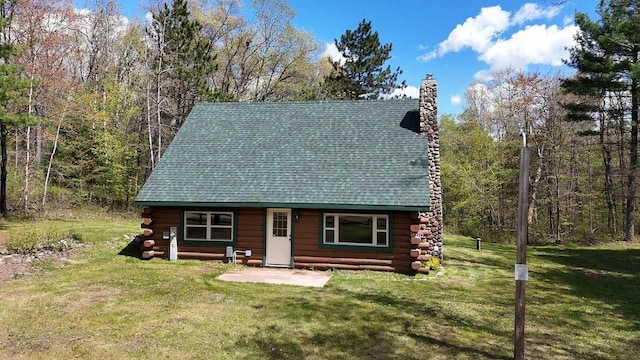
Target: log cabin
(315,184)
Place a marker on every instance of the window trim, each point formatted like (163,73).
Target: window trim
(209,212)
(357,246)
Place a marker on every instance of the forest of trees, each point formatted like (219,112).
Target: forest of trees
(583,133)
(90,100)
(480,163)
(93,99)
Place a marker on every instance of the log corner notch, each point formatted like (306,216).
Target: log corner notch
(421,252)
(148,243)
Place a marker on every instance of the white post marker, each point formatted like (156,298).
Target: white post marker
(522,272)
(173,244)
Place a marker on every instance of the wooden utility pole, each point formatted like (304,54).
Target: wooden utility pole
(521,270)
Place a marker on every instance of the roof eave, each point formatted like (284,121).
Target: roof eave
(364,207)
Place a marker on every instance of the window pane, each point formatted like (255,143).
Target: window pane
(329,221)
(221,219)
(329,236)
(221,234)
(196,219)
(382,223)
(355,229)
(196,233)
(279,224)
(382,239)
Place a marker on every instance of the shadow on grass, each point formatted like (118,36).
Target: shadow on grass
(606,275)
(132,249)
(357,319)
(365,325)
(457,349)
(429,335)
(333,328)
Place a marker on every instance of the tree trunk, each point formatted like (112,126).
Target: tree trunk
(17,149)
(25,189)
(3,170)
(27,165)
(37,156)
(608,179)
(557,214)
(629,228)
(159,120)
(53,152)
(534,188)
(158,108)
(152,156)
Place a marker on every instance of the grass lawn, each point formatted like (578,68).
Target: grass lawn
(582,303)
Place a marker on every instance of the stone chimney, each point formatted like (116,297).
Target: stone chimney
(429,129)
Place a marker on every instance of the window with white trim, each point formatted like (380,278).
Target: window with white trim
(356,230)
(208,226)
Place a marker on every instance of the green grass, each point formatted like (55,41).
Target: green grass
(582,303)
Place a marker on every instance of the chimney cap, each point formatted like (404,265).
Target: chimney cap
(429,77)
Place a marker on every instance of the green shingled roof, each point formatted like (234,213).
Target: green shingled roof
(331,154)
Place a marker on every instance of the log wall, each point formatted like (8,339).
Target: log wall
(307,250)
(250,232)
(309,254)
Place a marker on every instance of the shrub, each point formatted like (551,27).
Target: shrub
(29,241)
(433,263)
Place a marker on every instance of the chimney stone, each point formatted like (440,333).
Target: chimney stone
(429,129)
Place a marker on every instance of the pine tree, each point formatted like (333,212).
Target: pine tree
(606,57)
(183,63)
(362,75)
(13,96)
(188,58)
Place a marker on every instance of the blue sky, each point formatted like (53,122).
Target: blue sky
(458,41)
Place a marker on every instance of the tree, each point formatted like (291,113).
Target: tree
(262,57)
(470,177)
(13,90)
(44,30)
(362,74)
(115,150)
(563,195)
(282,54)
(183,61)
(607,59)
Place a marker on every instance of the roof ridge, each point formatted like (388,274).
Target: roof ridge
(308,101)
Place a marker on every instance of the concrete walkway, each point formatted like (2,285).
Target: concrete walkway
(277,276)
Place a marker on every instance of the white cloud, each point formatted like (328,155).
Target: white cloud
(409,91)
(484,75)
(475,33)
(148,17)
(532,11)
(332,52)
(536,44)
(120,22)
(541,44)
(83,11)
(480,96)
(456,99)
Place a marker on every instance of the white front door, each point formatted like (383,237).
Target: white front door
(278,242)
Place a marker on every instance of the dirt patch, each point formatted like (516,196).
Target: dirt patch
(17,264)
